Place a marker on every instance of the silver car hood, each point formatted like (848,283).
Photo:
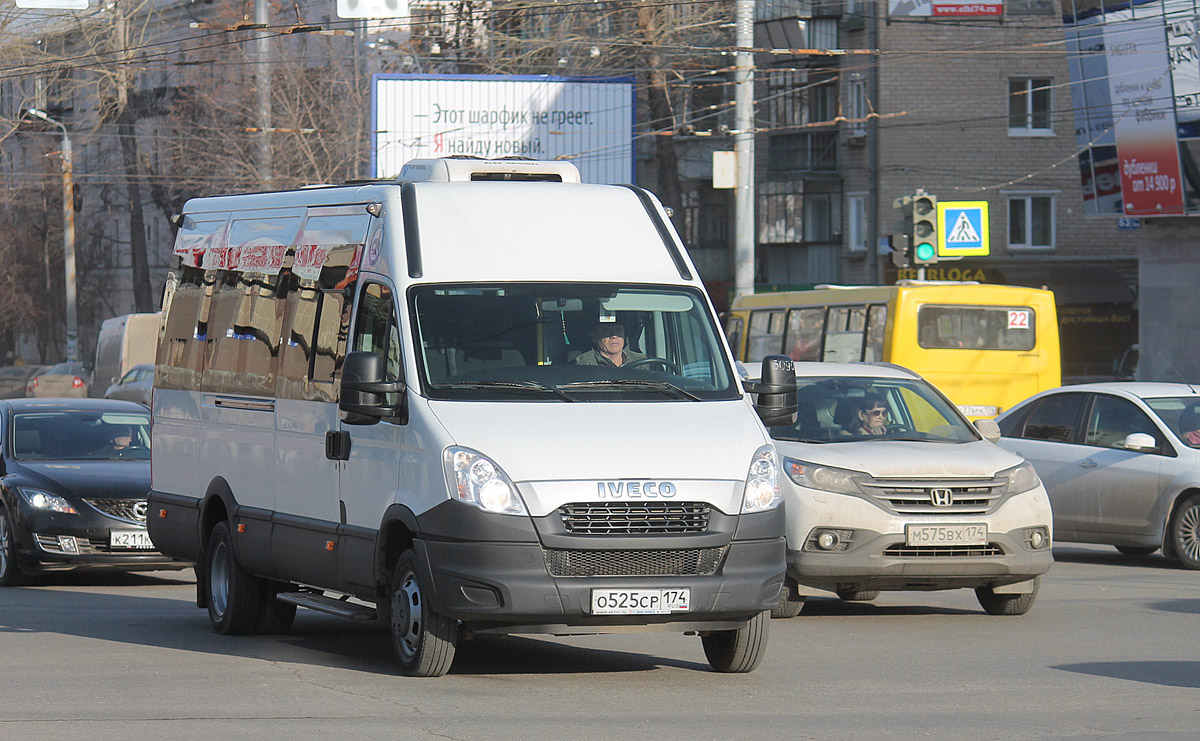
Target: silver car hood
(904,458)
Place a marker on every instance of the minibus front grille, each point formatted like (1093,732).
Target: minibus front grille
(675,562)
(991,550)
(634,518)
(974,497)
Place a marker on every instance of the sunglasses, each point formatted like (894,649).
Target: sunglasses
(875,412)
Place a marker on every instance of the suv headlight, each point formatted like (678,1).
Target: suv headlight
(762,482)
(39,499)
(1019,479)
(824,478)
(475,479)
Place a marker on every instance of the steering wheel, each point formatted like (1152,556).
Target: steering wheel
(130,451)
(648,361)
(899,427)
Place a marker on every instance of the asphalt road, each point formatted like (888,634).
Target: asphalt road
(1109,651)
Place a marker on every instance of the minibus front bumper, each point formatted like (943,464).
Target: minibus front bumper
(513,587)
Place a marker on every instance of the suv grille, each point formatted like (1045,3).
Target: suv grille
(634,518)
(685,562)
(130,510)
(918,497)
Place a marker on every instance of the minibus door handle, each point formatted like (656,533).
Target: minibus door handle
(337,445)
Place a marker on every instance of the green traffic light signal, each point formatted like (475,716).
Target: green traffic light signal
(924,225)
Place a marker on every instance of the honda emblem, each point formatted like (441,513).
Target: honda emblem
(941,497)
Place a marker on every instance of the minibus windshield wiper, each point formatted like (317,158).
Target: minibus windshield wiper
(519,386)
(615,383)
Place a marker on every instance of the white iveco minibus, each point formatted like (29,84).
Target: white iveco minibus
(480,398)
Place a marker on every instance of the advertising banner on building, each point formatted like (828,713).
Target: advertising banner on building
(1139,82)
(1168,61)
(942,8)
(588,122)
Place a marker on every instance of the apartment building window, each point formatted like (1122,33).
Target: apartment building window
(860,108)
(1029,106)
(856,222)
(770,10)
(1031,222)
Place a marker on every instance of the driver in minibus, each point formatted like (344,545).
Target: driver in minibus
(609,341)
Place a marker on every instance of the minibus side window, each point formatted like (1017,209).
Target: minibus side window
(766,334)
(244,334)
(733,332)
(181,353)
(376,329)
(845,333)
(876,332)
(803,339)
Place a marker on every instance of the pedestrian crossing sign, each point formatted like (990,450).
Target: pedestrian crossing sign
(962,228)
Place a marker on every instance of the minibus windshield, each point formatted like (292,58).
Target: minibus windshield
(568,342)
(854,409)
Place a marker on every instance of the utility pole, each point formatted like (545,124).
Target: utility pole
(68,185)
(262,67)
(743,147)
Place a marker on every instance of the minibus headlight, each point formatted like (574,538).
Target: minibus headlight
(476,480)
(824,478)
(762,482)
(1019,479)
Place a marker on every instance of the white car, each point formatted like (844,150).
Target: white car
(1117,463)
(907,495)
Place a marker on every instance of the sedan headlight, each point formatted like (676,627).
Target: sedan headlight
(1019,479)
(762,482)
(476,480)
(824,478)
(39,499)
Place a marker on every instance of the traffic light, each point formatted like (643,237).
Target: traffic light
(901,255)
(924,228)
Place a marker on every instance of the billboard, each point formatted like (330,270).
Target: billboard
(944,9)
(587,121)
(1135,90)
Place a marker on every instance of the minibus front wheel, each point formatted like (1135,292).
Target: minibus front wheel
(423,640)
(738,651)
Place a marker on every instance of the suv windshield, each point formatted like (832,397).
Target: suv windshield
(568,342)
(81,435)
(845,409)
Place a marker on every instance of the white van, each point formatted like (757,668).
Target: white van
(366,404)
(888,487)
(124,341)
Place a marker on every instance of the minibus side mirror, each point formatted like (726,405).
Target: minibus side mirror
(776,389)
(989,429)
(363,390)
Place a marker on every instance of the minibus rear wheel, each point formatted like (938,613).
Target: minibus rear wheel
(234,595)
(423,640)
(738,651)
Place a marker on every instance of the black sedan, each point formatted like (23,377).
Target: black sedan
(74,475)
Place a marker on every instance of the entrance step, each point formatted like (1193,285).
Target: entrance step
(342,607)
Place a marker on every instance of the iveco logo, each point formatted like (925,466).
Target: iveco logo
(634,489)
(139,511)
(941,497)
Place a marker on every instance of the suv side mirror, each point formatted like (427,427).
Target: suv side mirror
(1140,442)
(776,389)
(989,429)
(363,390)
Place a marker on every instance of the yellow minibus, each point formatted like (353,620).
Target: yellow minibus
(987,347)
